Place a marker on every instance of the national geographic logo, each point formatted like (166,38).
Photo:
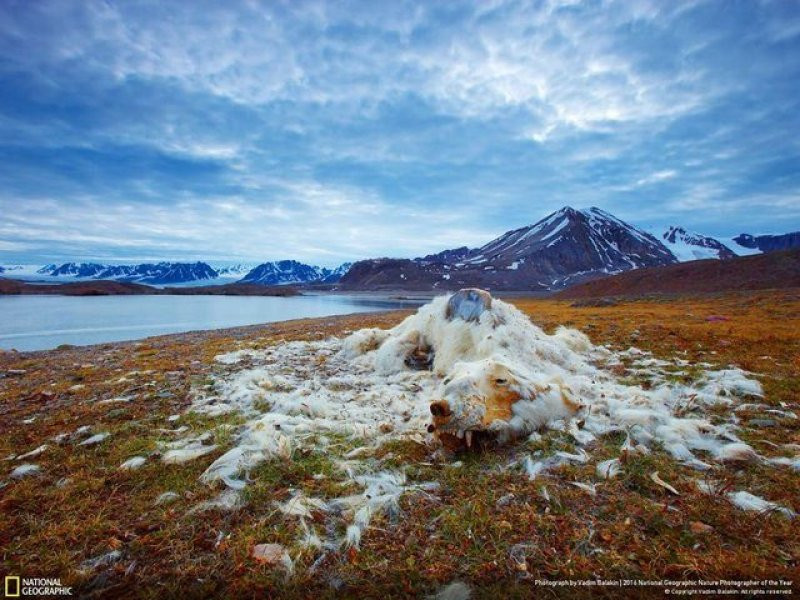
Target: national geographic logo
(12,587)
(16,586)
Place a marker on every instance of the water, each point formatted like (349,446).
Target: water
(44,322)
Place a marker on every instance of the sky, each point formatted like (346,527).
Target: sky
(332,131)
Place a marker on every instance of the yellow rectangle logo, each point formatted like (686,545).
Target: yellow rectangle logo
(12,586)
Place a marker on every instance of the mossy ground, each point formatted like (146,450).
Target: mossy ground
(631,529)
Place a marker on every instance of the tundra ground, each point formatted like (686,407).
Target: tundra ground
(488,525)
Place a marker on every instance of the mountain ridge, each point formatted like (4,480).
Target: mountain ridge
(563,247)
(177,272)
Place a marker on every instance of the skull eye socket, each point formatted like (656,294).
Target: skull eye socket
(501,381)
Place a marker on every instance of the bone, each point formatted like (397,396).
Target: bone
(468,304)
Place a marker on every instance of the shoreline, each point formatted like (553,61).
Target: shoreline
(195,336)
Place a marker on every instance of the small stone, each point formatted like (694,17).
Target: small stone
(699,527)
(270,554)
(505,500)
(761,423)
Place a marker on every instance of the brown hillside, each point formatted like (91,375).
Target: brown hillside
(762,271)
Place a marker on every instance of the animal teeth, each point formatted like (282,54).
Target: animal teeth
(460,433)
(469,439)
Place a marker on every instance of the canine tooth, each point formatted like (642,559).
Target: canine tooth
(460,433)
(469,439)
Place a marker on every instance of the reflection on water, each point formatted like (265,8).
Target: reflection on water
(43,322)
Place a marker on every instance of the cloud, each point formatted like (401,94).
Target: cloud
(304,221)
(340,130)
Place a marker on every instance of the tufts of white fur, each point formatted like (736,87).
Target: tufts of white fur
(300,394)
(783,461)
(133,463)
(589,488)
(748,501)
(166,498)
(25,471)
(34,452)
(301,506)
(309,539)
(184,450)
(457,590)
(608,469)
(95,439)
(226,501)
(736,452)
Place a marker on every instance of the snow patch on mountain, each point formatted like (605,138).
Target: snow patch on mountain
(689,245)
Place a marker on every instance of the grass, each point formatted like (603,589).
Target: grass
(488,525)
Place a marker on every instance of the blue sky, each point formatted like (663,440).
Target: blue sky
(332,131)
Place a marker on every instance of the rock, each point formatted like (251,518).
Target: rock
(505,500)
(761,423)
(699,527)
(270,554)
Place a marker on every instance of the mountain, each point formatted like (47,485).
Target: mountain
(567,246)
(160,273)
(768,243)
(74,270)
(447,256)
(47,269)
(774,270)
(335,275)
(236,271)
(688,245)
(284,272)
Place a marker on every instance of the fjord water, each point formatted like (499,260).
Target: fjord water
(45,322)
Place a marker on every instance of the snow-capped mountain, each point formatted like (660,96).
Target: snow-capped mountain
(236,271)
(159,273)
(19,271)
(83,270)
(285,272)
(335,275)
(175,273)
(567,246)
(688,245)
(766,243)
